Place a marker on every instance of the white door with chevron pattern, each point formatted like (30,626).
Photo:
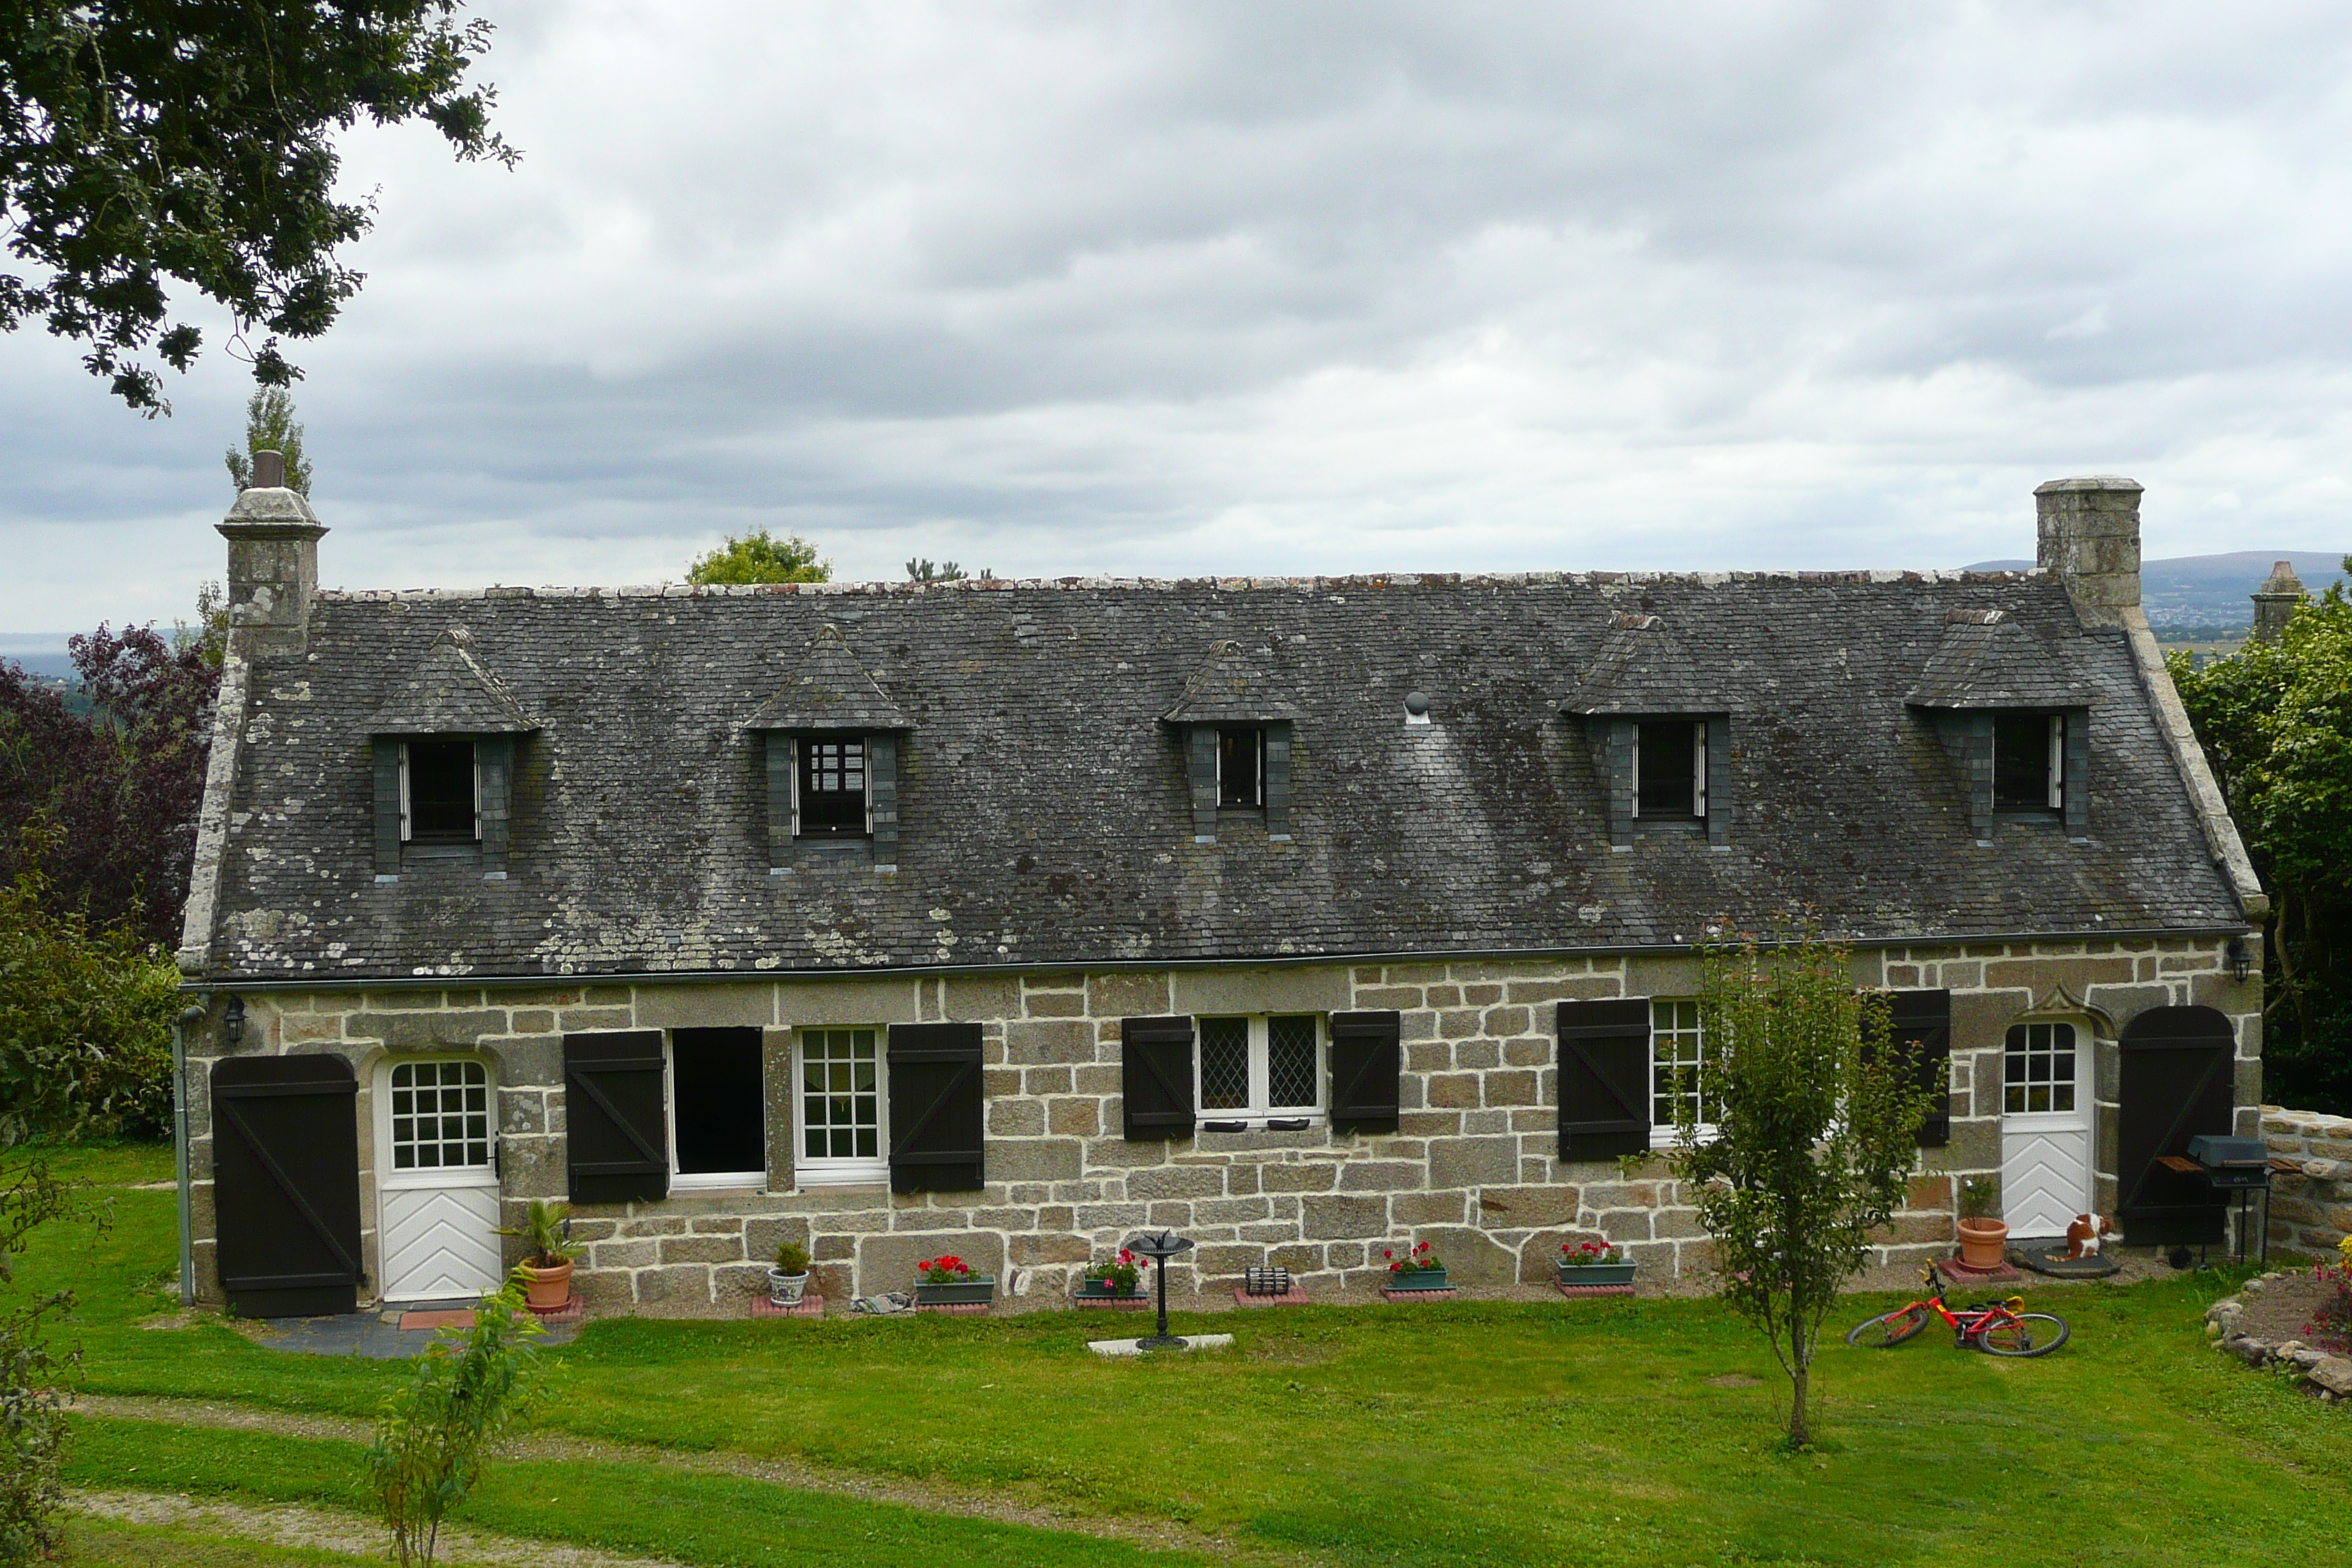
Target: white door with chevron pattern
(437,1180)
(2045,1130)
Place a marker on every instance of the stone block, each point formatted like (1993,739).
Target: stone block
(1177,1182)
(1168,1213)
(1472,1256)
(1474,1162)
(1513,1208)
(1242,1181)
(1030,1041)
(1430,1123)
(845,1003)
(1526,1053)
(1034,1159)
(1929,1193)
(1300,1257)
(1380,1176)
(586,1020)
(1077,1118)
(1099,1078)
(685,1286)
(1231,1211)
(887,1262)
(708,1006)
(425,1031)
(1478,1054)
(1428,1057)
(1019,1118)
(983,997)
(606,1255)
(1310,1177)
(1139,995)
(1028,1251)
(1503,1089)
(1345,1255)
(1428,1208)
(738,1282)
(1289,988)
(1228,1261)
(1332,1217)
(761,1236)
(1399,998)
(610,1291)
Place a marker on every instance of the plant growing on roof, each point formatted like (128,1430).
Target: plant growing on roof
(1415,1260)
(1816,1115)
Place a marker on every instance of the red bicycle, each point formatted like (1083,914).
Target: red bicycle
(1995,1327)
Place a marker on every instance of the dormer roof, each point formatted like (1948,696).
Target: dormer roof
(1641,668)
(451,692)
(1232,687)
(828,691)
(1988,659)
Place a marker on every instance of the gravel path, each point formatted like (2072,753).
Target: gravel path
(323,1530)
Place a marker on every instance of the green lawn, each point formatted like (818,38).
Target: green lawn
(1482,1433)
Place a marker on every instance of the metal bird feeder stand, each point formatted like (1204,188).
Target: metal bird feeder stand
(1160,1246)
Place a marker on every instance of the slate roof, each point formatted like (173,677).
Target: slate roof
(1232,688)
(1641,668)
(1044,812)
(829,690)
(1988,659)
(451,693)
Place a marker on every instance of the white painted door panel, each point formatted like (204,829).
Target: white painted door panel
(2045,1173)
(440,1243)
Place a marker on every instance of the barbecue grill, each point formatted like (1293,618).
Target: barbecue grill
(2240,1166)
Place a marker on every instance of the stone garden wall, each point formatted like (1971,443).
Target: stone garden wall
(1473,1169)
(2310,1211)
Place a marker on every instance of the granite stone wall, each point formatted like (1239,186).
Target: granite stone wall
(1472,1168)
(2311,1210)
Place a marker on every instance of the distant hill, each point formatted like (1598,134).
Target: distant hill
(2210,592)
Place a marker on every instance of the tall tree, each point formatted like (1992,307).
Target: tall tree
(757,557)
(270,427)
(2276,722)
(195,143)
(124,781)
(1814,1119)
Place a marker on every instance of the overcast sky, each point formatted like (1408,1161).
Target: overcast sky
(1195,288)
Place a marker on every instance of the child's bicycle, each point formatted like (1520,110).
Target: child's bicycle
(1995,1327)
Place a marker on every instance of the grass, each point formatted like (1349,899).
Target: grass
(1476,1432)
(109,1544)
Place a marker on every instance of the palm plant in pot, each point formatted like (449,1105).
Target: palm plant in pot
(547,1268)
(788,1277)
(1984,1236)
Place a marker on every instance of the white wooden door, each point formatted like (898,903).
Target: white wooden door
(438,1182)
(2045,1130)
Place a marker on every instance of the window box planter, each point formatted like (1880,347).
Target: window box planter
(1586,1274)
(1406,1279)
(977,1291)
(1094,1293)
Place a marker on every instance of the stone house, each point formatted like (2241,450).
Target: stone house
(1303,915)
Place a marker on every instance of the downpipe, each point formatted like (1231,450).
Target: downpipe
(189,1014)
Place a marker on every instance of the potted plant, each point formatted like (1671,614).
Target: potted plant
(1594,1263)
(949,1281)
(1121,1280)
(1984,1238)
(1418,1269)
(788,1277)
(547,1268)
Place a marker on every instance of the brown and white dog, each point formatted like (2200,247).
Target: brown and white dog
(2082,1237)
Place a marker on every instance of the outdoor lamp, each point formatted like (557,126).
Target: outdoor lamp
(2240,958)
(232,1019)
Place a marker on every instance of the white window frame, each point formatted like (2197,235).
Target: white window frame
(1259,1110)
(696,1180)
(1698,770)
(830,1171)
(478,790)
(2056,764)
(2077,1047)
(388,1173)
(1259,731)
(865,745)
(1667,1134)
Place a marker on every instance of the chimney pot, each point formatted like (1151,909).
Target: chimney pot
(268,471)
(2274,602)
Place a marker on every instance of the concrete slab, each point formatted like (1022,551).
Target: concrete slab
(1135,1347)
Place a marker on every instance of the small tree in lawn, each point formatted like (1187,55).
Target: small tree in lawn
(1816,1116)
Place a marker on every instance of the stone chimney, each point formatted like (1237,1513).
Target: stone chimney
(2276,601)
(273,563)
(2088,534)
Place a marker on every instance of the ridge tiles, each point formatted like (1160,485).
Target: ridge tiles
(829,690)
(452,693)
(1988,659)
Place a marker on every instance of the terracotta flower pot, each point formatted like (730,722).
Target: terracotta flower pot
(546,1290)
(1983,1242)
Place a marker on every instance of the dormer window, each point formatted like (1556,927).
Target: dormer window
(1241,768)
(834,787)
(2029,764)
(1670,771)
(440,792)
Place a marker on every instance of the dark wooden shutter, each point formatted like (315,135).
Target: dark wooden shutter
(1604,1079)
(1366,1063)
(2179,1081)
(1156,1077)
(936,1144)
(618,1139)
(1922,1021)
(286,1185)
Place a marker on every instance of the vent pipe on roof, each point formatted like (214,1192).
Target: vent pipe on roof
(2088,536)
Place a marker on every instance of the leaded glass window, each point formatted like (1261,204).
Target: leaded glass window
(1290,1060)
(1261,1065)
(440,1116)
(1225,1064)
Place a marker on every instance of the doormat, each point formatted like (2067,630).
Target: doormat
(2053,1260)
(461,1319)
(1969,1274)
(1294,1297)
(812,1305)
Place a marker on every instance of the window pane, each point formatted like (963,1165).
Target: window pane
(1240,769)
(441,792)
(833,786)
(840,1110)
(2021,762)
(1669,753)
(1677,1065)
(1290,1075)
(1225,1064)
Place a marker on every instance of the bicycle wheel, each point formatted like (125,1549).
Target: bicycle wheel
(2027,1333)
(1886,1331)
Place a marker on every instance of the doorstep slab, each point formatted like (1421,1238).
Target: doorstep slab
(461,1318)
(1135,1347)
(812,1305)
(1294,1297)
